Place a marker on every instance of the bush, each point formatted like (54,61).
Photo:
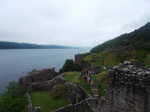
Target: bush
(70,66)
(13,100)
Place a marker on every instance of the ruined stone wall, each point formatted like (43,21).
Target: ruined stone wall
(87,105)
(125,99)
(38,77)
(29,105)
(129,89)
(79,60)
(79,57)
(47,85)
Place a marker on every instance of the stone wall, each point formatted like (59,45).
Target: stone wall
(129,89)
(87,105)
(79,57)
(79,60)
(130,74)
(39,76)
(73,92)
(47,85)
(29,106)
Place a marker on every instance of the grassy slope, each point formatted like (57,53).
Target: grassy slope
(47,102)
(75,78)
(102,59)
(101,81)
(138,39)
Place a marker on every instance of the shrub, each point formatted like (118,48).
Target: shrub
(13,100)
(70,66)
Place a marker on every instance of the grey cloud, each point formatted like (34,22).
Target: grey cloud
(70,22)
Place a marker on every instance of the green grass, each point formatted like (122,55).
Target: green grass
(47,102)
(88,58)
(100,76)
(85,86)
(102,59)
(112,58)
(101,81)
(95,59)
(147,61)
(74,77)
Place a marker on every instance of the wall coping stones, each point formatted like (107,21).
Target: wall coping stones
(131,74)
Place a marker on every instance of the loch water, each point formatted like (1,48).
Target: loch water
(18,62)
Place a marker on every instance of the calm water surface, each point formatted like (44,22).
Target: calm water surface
(16,63)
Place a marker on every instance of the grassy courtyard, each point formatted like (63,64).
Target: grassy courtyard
(47,102)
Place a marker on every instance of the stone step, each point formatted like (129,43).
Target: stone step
(96,95)
(95,89)
(95,92)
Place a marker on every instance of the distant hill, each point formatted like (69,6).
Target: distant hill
(138,39)
(130,46)
(15,45)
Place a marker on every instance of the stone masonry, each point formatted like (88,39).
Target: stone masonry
(38,77)
(129,89)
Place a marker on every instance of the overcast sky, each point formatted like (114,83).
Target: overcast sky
(70,22)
